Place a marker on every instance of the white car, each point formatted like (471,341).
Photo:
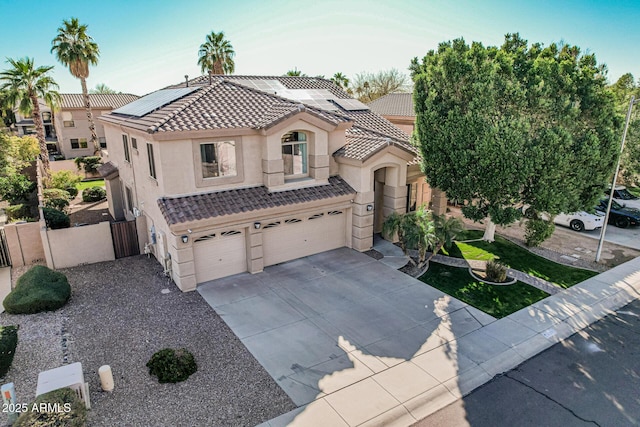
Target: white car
(577,221)
(580,221)
(623,197)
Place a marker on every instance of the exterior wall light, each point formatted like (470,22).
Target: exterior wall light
(257,225)
(369,208)
(185,238)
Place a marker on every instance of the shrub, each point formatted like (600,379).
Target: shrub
(15,188)
(39,289)
(19,211)
(537,231)
(8,343)
(496,271)
(71,411)
(172,366)
(63,179)
(56,198)
(89,163)
(56,219)
(93,194)
(73,191)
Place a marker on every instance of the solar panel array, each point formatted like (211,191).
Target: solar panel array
(350,104)
(317,98)
(154,101)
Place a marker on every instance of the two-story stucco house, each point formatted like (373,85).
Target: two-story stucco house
(244,172)
(66,129)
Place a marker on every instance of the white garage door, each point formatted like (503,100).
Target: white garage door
(303,235)
(219,255)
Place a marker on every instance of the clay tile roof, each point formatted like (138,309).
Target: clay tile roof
(97,100)
(362,144)
(228,202)
(394,104)
(108,170)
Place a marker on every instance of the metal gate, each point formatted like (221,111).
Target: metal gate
(5,260)
(125,238)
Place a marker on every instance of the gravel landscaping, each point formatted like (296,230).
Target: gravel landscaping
(118,315)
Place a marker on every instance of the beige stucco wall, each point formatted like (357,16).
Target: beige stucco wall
(81,245)
(79,130)
(25,244)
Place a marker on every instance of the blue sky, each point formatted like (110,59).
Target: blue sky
(146,45)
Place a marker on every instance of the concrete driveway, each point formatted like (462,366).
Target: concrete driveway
(321,323)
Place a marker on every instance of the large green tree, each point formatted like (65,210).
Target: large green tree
(216,55)
(623,89)
(502,126)
(23,84)
(75,49)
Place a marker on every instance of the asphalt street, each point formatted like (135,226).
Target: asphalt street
(590,379)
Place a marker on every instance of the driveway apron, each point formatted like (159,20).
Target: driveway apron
(323,322)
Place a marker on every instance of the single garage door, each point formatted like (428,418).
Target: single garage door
(303,235)
(219,255)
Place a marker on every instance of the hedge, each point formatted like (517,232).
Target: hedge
(8,343)
(93,194)
(39,289)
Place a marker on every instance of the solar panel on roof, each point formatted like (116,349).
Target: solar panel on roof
(153,101)
(350,104)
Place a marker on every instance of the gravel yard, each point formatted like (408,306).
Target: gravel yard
(118,316)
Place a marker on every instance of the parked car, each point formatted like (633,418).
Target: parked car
(620,216)
(624,197)
(578,221)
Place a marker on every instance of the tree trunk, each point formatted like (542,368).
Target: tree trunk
(92,125)
(490,231)
(37,121)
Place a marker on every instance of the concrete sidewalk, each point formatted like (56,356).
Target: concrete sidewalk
(415,388)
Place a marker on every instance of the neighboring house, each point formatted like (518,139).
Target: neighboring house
(72,124)
(398,109)
(248,172)
(67,129)
(25,125)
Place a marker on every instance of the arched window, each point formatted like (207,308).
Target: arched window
(294,153)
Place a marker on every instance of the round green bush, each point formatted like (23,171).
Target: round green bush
(56,219)
(8,343)
(56,198)
(72,190)
(70,412)
(39,289)
(172,366)
(93,194)
(537,231)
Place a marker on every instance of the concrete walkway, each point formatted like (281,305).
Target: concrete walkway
(462,361)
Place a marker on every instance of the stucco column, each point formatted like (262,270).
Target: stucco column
(395,200)
(255,259)
(362,222)
(439,201)
(183,270)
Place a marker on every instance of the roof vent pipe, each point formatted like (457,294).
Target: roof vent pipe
(186,79)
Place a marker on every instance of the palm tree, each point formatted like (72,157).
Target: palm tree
(341,80)
(216,55)
(415,231)
(446,230)
(75,49)
(102,88)
(23,84)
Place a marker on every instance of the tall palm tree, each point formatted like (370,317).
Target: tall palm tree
(75,49)
(216,55)
(23,84)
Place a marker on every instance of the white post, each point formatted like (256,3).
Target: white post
(106,378)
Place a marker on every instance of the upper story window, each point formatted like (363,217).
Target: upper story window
(294,154)
(134,143)
(218,159)
(46,117)
(103,142)
(67,119)
(152,162)
(125,144)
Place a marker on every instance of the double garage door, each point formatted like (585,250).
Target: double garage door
(225,254)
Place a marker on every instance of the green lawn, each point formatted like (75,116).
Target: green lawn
(498,301)
(88,184)
(517,258)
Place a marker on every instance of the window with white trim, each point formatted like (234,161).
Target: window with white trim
(294,154)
